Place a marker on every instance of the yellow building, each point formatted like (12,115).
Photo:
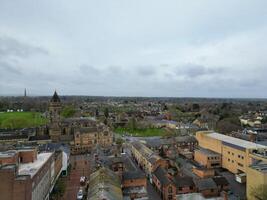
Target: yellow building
(207,158)
(257,175)
(235,152)
(239,156)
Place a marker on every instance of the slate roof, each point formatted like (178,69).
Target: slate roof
(186,139)
(13,137)
(206,184)
(104,184)
(86,129)
(133,175)
(161,175)
(55,98)
(39,137)
(220,180)
(146,152)
(207,152)
(185,181)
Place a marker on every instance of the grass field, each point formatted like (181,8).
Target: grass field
(148,132)
(21,119)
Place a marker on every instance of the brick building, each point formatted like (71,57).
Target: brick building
(146,159)
(134,184)
(27,175)
(164,186)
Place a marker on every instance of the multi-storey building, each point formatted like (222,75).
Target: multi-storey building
(257,176)
(239,156)
(27,175)
(207,158)
(235,153)
(83,133)
(88,137)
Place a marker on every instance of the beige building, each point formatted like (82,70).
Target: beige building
(257,176)
(87,138)
(207,158)
(239,156)
(234,152)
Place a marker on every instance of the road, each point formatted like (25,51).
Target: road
(80,167)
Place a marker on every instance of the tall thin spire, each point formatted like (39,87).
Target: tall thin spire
(25,92)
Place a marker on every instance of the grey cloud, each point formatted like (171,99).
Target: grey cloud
(88,69)
(9,70)
(195,70)
(146,70)
(13,47)
(169,53)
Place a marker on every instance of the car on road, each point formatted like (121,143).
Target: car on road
(82,180)
(80,195)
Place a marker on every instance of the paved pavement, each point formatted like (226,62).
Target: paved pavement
(80,167)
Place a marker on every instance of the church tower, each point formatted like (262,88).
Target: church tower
(54,117)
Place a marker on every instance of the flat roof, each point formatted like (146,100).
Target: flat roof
(235,141)
(207,152)
(262,167)
(32,168)
(8,153)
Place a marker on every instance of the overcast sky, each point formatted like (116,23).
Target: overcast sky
(189,48)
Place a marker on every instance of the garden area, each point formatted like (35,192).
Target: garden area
(144,132)
(15,120)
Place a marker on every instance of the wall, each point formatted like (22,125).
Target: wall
(254,179)
(209,143)
(135,182)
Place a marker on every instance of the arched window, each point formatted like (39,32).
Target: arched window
(170,189)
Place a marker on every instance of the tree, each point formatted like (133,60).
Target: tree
(68,111)
(119,143)
(133,123)
(106,112)
(195,107)
(96,112)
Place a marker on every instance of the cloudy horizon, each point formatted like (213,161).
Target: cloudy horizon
(170,48)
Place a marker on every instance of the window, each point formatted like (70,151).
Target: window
(232,161)
(170,189)
(241,165)
(228,159)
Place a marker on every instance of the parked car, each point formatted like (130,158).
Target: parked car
(82,180)
(80,195)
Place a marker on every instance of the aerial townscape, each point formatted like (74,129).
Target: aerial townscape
(133,100)
(113,148)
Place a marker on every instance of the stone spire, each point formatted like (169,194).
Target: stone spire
(55,97)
